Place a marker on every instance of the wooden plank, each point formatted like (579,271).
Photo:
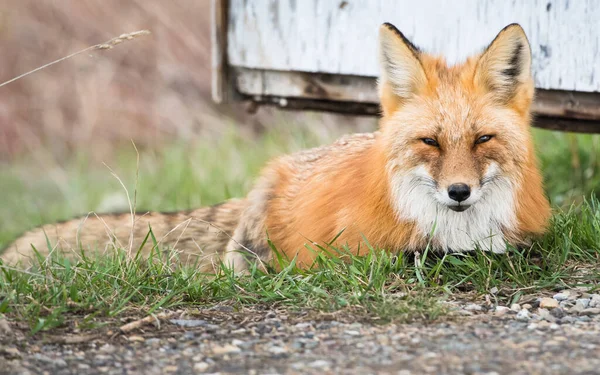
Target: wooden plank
(340,37)
(218,34)
(554,109)
(306,85)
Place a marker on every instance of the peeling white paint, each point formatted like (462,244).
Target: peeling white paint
(340,37)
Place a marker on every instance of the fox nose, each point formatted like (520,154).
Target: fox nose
(459,192)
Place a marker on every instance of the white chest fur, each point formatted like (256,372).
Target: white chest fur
(479,227)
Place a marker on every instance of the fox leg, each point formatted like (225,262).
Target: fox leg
(249,241)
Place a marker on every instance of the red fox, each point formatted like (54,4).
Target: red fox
(452,167)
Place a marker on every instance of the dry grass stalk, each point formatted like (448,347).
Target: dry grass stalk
(106,45)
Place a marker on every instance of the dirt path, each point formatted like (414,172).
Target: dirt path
(476,340)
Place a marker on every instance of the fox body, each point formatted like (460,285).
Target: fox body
(452,167)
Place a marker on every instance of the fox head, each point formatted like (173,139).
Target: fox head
(458,142)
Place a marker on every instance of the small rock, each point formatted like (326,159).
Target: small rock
(4,327)
(201,366)
(473,307)
(548,303)
(523,315)
(576,309)
(188,322)
(573,295)
(566,304)
(567,319)
(277,350)
(107,348)
(136,339)
(554,326)
(583,302)
(153,341)
(319,364)
(590,311)
(527,306)
(501,310)
(515,307)
(595,300)
(494,290)
(170,369)
(303,325)
(56,362)
(561,296)
(543,313)
(226,349)
(236,342)
(532,326)
(352,333)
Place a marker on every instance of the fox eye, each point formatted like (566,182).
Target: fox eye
(483,139)
(430,142)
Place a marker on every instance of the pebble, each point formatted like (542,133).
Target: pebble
(277,350)
(515,307)
(527,306)
(319,364)
(303,325)
(136,339)
(590,311)
(188,322)
(561,296)
(501,310)
(352,333)
(566,304)
(523,315)
(595,300)
(473,307)
(5,329)
(576,309)
(582,302)
(201,366)
(225,349)
(548,303)
(153,341)
(544,314)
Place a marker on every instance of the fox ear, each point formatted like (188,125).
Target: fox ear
(402,74)
(504,68)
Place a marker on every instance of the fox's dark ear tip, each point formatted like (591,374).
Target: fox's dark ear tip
(390,27)
(513,26)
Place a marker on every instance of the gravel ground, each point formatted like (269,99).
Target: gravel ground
(547,335)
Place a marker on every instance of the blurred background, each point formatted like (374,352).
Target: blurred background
(65,129)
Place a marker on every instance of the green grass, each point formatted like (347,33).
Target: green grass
(377,286)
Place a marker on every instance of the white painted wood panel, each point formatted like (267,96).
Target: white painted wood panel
(340,36)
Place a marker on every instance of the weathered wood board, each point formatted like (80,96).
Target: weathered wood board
(340,37)
(322,54)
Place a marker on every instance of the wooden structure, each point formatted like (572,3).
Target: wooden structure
(322,54)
